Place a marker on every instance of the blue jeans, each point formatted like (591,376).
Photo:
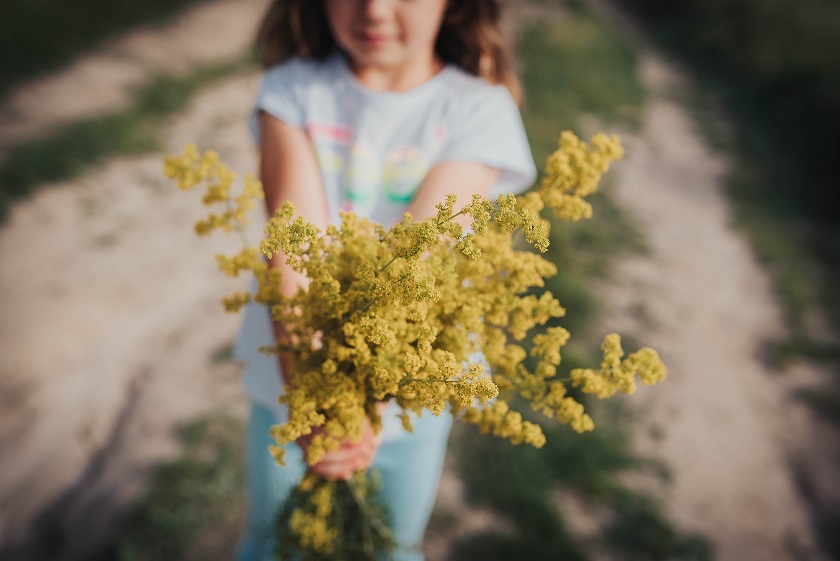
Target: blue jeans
(410,466)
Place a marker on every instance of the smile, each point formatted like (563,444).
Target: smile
(374,39)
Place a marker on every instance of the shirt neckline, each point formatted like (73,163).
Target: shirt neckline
(417,91)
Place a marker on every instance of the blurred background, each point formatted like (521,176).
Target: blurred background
(716,241)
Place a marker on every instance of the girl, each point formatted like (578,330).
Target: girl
(378,107)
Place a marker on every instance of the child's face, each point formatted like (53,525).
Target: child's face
(387,34)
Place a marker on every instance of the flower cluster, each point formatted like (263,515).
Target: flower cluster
(334,520)
(191,169)
(617,375)
(396,314)
(310,524)
(573,172)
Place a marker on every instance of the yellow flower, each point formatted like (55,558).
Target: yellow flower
(393,314)
(617,375)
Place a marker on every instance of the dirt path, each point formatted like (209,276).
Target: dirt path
(111,320)
(111,326)
(108,300)
(105,79)
(726,425)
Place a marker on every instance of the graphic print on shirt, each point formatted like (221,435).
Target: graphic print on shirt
(330,141)
(362,175)
(403,170)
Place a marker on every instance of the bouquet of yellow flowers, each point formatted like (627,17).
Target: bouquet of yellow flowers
(395,313)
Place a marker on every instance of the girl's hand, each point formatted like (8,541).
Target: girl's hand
(349,458)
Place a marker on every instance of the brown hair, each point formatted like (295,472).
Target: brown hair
(470,37)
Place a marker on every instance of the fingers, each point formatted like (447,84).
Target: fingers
(349,458)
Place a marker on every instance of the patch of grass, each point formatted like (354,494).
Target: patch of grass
(639,532)
(571,67)
(514,481)
(223,354)
(74,148)
(519,483)
(789,349)
(778,248)
(40,35)
(441,520)
(825,402)
(583,252)
(545,540)
(195,509)
(802,256)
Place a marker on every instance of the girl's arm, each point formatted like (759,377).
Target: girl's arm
(463,179)
(289,172)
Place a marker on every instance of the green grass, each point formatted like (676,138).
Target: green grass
(69,151)
(573,66)
(195,509)
(39,35)
(223,354)
(584,252)
(639,532)
(518,482)
(825,402)
(803,256)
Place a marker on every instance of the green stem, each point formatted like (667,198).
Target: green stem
(456,215)
(240,228)
(367,538)
(338,509)
(370,519)
(386,265)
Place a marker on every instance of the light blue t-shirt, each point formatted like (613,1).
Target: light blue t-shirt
(374,148)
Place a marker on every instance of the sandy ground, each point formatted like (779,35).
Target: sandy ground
(110,320)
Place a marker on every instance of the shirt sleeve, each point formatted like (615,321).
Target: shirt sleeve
(280,94)
(487,129)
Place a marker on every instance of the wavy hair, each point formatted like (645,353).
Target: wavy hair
(470,37)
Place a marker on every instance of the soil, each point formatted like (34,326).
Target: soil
(113,334)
